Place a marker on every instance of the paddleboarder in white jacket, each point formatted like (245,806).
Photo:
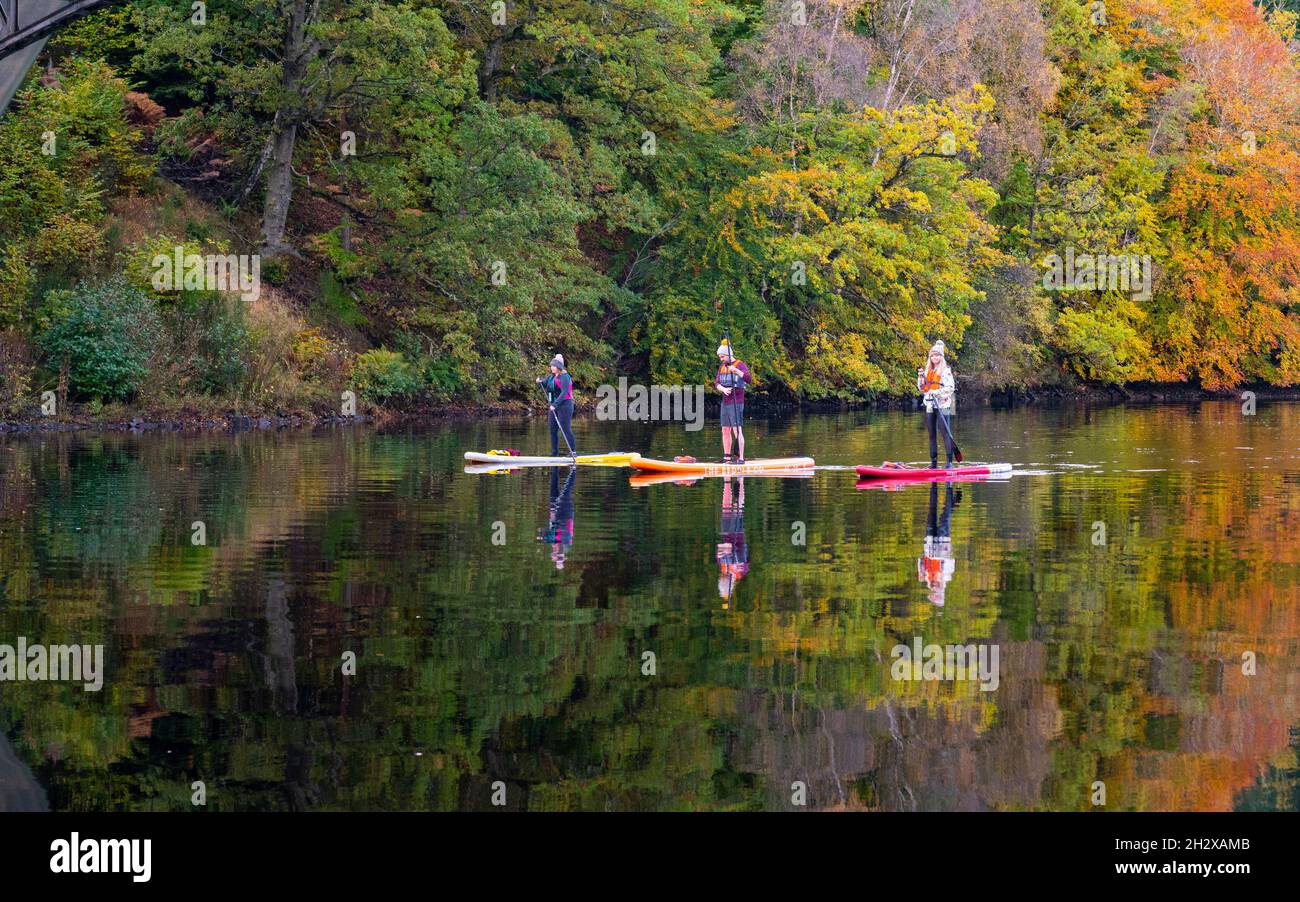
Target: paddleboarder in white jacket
(938,388)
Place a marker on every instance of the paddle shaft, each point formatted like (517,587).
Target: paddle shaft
(956,451)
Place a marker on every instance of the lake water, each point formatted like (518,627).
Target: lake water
(565,639)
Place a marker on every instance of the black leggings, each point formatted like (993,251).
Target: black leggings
(933,427)
(563,413)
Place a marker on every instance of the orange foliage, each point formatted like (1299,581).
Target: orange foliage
(1233,206)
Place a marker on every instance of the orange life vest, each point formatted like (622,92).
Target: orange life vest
(729,380)
(933,381)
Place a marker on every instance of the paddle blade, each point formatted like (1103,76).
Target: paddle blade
(956,449)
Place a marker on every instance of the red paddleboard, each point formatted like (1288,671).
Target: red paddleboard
(898,472)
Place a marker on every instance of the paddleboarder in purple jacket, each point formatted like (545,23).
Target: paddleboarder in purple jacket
(731,380)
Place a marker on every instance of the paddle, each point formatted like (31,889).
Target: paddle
(731,359)
(956,451)
(557,418)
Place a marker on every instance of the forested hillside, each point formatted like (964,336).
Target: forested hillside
(444,194)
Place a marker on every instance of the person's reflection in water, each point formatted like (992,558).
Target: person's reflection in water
(559,532)
(936,564)
(733,557)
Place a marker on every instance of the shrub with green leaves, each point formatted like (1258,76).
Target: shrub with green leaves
(16,279)
(442,377)
(221,361)
(384,375)
(440,374)
(103,333)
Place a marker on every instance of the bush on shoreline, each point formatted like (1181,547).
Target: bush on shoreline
(99,338)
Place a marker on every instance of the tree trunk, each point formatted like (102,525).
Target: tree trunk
(299,51)
(487,71)
(62,388)
(279,190)
(255,176)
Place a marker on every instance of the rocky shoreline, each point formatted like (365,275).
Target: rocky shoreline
(227,423)
(233,423)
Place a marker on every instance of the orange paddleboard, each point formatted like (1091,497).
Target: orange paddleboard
(714,468)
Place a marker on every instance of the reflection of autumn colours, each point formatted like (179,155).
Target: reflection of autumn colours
(898,755)
(1224,735)
(1118,662)
(1221,748)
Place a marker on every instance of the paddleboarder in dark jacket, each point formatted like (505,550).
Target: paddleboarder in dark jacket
(731,380)
(938,388)
(559,398)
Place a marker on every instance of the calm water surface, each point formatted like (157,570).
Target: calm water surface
(501,623)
